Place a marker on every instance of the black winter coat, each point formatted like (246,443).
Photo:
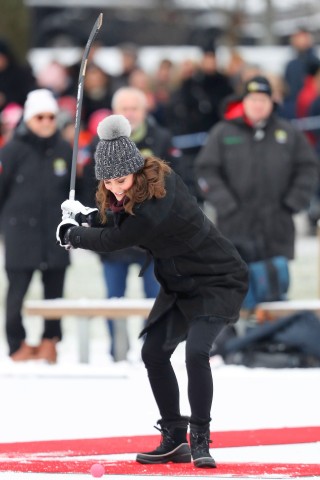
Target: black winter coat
(200,272)
(256,180)
(34,181)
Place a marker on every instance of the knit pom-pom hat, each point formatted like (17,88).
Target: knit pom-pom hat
(40,101)
(116,155)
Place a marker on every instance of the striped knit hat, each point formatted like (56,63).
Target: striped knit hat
(116,155)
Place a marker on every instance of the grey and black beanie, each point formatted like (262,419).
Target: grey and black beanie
(116,155)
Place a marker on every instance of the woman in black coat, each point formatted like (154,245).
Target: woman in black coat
(203,279)
(35,170)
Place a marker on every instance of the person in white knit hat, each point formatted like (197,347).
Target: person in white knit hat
(40,112)
(35,170)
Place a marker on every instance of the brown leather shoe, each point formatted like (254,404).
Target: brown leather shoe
(47,350)
(24,353)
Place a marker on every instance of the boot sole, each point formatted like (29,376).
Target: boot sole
(181,454)
(205,462)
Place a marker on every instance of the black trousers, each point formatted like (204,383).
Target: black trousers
(18,284)
(202,333)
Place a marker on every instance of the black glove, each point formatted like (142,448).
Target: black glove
(89,220)
(63,231)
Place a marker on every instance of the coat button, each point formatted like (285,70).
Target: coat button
(19,178)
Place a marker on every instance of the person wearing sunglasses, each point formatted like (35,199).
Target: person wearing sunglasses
(35,170)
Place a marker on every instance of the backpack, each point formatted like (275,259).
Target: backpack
(289,342)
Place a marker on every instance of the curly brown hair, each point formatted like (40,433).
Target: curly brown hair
(148,182)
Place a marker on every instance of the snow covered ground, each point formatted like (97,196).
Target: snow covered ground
(103,399)
(73,401)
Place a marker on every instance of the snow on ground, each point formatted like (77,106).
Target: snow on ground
(69,401)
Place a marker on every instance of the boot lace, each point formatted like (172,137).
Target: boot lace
(166,438)
(200,442)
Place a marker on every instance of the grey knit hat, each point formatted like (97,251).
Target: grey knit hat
(116,155)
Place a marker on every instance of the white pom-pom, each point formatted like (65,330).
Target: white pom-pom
(113,127)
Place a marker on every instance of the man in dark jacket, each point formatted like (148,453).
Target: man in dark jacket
(257,171)
(34,179)
(296,69)
(193,109)
(16,80)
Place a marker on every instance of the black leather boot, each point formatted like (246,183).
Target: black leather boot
(174,445)
(200,440)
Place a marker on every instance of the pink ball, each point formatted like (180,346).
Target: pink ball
(97,470)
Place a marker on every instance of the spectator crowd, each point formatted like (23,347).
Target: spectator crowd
(173,112)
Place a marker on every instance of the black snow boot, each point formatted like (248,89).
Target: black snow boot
(200,440)
(174,445)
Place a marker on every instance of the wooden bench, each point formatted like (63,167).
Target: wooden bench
(272,310)
(121,308)
(85,309)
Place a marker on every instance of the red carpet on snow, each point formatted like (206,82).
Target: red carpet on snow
(131,467)
(50,456)
(140,443)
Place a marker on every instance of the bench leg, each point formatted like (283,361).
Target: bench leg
(83,332)
(121,340)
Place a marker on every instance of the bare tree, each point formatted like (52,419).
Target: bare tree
(14,26)
(269,16)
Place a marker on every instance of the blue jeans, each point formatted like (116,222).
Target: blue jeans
(115,276)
